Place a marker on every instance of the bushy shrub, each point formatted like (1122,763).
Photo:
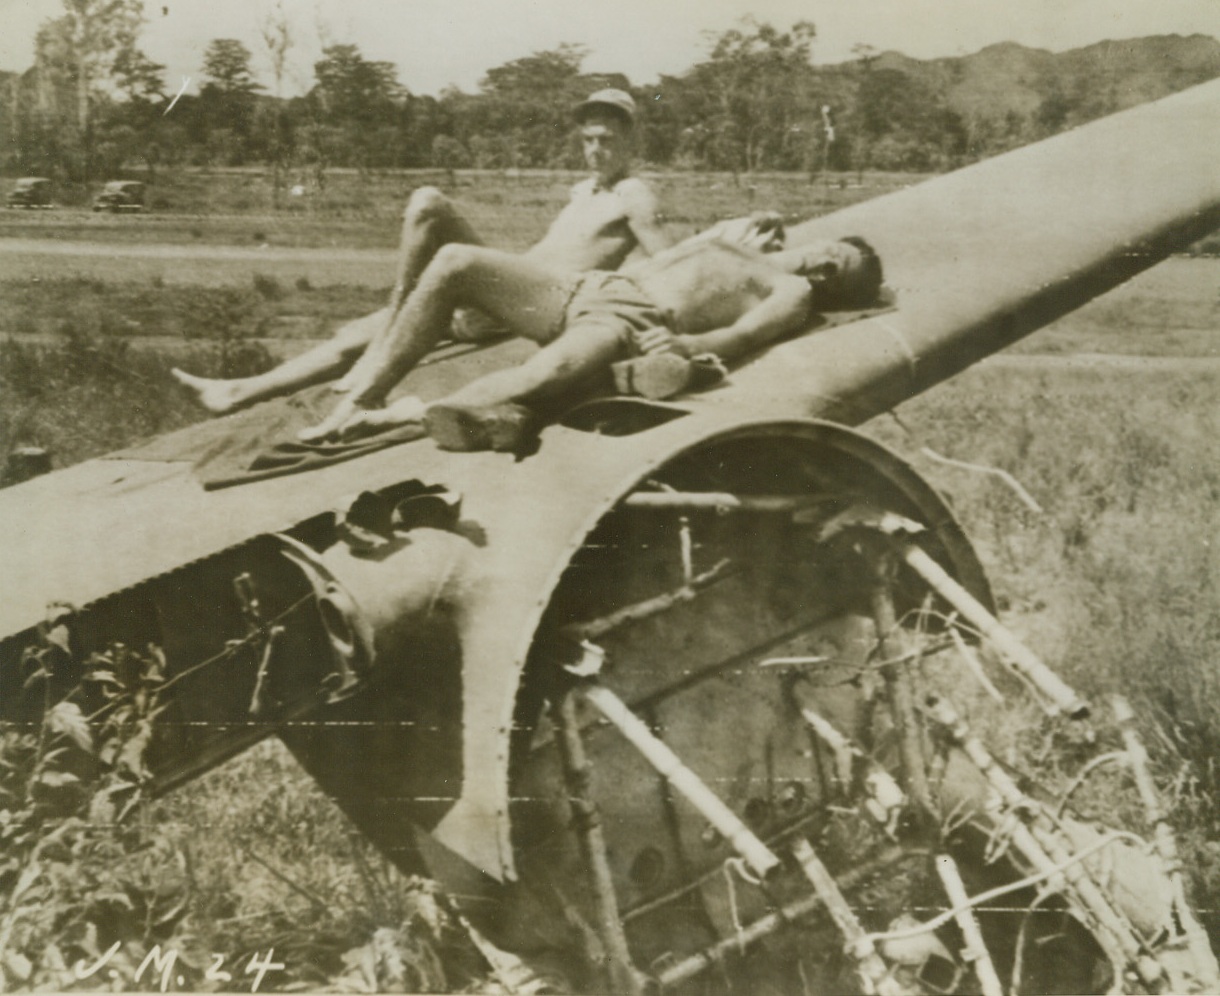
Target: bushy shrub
(268,287)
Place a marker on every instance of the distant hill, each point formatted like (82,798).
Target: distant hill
(1074,86)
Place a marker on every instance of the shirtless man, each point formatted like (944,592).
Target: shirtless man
(608,216)
(704,296)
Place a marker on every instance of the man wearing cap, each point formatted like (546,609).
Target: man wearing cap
(608,216)
(663,325)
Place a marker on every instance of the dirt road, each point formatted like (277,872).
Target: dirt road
(28,259)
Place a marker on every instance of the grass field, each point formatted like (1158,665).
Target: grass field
(364,211)
(1114,581)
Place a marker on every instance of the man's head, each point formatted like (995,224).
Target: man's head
(843,274)
(607,132)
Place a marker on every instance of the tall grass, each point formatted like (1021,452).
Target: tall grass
(261,306)
(101,887)
(1115,582)
(81,395)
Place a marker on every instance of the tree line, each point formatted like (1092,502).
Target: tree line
(94,104)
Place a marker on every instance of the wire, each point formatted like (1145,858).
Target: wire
(236,645)
(1022,883)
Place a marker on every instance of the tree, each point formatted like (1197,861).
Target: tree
(141,80)
(138,77)
(355,89)
(532,99)
(98,30)
(550,71)
(226,62)
(907,124)
(276,30)
(74,59)
(760,88)
(361,104)
(227,99)
(449,154)
(866,55)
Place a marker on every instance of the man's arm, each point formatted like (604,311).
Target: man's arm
(784,311)
(643,215)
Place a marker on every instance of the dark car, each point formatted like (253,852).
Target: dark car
(120,195)
(31,192)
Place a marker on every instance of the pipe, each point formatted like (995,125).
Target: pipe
(689,785)
(623,974)
(766,925)
(1063,698)
(975,950)
(719,501)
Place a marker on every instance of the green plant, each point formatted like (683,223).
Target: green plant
(80,872)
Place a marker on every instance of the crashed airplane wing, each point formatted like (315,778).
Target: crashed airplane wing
(656,617)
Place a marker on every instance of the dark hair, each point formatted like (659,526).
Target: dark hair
(862,292)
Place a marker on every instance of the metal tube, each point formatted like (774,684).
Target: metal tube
(875,977)
(1024,661)
(623,974)
(898,686)
(592,629)
(691,966)
(886,800)
(1113,927)
(975,951)
(1166,846)
(760,858)
(719,501)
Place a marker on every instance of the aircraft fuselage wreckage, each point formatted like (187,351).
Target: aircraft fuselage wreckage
(644,700)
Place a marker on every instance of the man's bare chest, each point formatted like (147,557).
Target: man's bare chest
(594,212)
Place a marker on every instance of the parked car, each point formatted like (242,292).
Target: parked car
(31,192)
(120,195)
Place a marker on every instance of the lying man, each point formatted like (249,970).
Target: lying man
(705,296)
(608,216)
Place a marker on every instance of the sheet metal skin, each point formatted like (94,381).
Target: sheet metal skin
(979,258)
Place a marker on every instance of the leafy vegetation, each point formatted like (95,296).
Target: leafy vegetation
(753,103)
(79,868)
(103,887)
(1114,582)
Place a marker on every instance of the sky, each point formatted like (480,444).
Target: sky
(439,43)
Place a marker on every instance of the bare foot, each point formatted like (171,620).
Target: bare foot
(217,396)
(329,427)
(367,421)
(349,420)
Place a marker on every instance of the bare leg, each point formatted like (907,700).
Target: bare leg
(322,362)
(578,354)
(430,221)
(529,299)
(581,352)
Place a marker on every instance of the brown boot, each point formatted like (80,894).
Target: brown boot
(662,375)
(502,428)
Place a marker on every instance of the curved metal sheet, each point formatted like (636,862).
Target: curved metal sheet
(505,591)
(979,257)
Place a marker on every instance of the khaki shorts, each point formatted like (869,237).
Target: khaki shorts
(615,301)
